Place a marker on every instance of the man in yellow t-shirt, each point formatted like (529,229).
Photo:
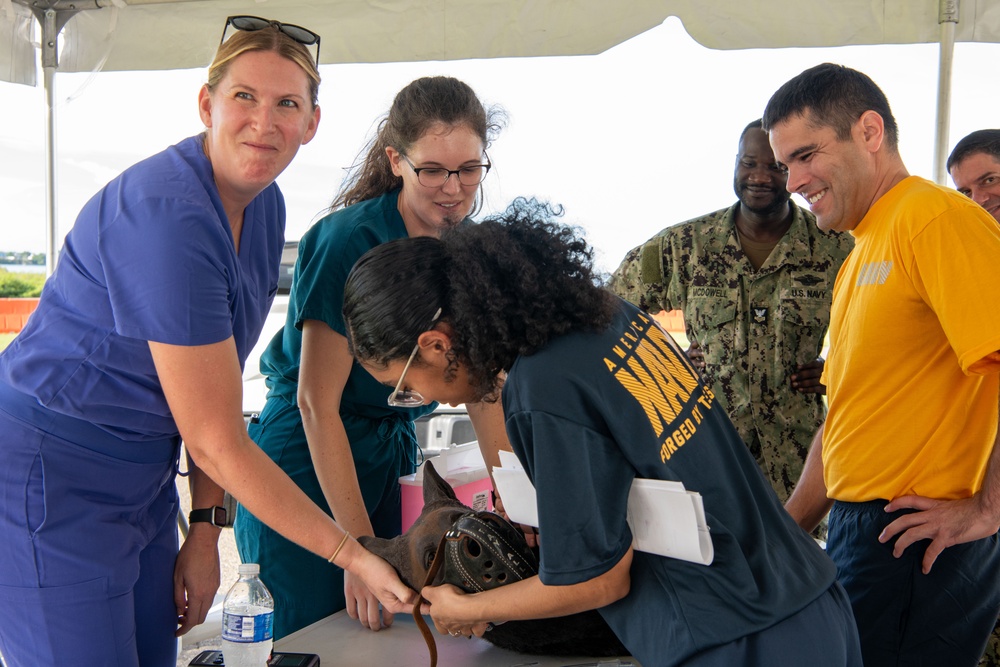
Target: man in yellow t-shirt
(906,455)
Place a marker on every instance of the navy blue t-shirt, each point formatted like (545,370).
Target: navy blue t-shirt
(590,412)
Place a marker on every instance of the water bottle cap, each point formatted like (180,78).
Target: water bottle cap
(249,568)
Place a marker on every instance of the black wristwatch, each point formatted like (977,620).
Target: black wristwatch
(213,515)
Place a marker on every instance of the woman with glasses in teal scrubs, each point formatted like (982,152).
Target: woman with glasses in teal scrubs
(161,291)
(326,422)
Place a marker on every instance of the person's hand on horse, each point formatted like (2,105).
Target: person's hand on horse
(450,609)
(368,581)
(363,605)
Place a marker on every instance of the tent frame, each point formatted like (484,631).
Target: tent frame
(52,16)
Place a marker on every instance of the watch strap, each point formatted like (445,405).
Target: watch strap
(213,515)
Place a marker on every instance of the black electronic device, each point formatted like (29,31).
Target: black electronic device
(278,659)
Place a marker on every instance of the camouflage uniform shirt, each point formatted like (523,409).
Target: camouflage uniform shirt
(754,326)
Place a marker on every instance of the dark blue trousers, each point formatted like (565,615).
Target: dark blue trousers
(905,617)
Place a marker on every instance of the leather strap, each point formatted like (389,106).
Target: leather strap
(417,616)
(480,551)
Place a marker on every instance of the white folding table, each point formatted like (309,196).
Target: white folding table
(340,641)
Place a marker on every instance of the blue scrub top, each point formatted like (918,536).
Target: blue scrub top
(150,258)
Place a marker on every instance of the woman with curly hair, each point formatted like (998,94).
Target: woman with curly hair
(595,395)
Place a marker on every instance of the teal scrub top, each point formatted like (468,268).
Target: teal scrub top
(327,252)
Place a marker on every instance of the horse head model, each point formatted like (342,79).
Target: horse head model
(477,551)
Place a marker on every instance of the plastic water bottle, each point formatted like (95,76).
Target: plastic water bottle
(247,620)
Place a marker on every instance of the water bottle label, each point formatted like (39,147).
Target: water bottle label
(247,629)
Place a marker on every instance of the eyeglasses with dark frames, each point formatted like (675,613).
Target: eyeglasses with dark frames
(408,398)
(435,177)
(303,36)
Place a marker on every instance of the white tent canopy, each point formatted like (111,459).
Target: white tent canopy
(175,34)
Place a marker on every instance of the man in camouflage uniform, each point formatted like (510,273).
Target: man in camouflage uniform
(755,283)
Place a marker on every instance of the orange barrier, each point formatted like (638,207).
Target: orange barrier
(671,320)
(14,313)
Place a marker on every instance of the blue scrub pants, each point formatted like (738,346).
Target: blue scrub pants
(905,617)
(88,542)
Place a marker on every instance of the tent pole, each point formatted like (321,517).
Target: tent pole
(48,76)
(948,18)
(52,21)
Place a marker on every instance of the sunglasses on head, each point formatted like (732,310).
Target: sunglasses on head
(297,33)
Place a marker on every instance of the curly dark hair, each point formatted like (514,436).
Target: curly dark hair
(506,286)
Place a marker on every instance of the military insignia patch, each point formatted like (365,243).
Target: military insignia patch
(760,315)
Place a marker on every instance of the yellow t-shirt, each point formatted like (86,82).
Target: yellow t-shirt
(912,375)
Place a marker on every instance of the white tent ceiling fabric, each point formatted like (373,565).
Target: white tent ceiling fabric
(789,23)
(110,35)
(17,53)
(177,34)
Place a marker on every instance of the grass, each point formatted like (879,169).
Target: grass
(13,284)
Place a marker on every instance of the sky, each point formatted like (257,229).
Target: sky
(629,142)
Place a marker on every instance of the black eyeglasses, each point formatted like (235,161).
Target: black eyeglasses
(435,177)
(408,398)
(303,36)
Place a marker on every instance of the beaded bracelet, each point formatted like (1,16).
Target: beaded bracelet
(347,536)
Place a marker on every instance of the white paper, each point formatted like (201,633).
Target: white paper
(668,520)
(518,494)
(665,518)
(509,460)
